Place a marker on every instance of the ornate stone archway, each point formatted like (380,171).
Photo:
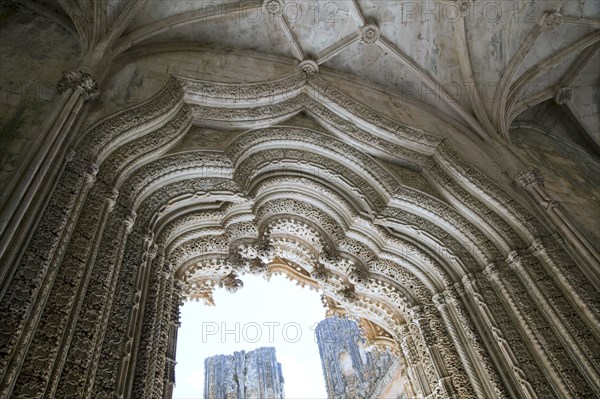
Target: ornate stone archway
(475,292)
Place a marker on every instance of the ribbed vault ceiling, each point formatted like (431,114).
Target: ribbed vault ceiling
(482,63)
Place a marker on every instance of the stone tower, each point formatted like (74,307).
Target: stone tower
(243,375)
(350,371)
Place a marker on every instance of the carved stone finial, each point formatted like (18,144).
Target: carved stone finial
(274,7)
(70,156)
(309,66)
(369,34)
(257,268)
(529,178)
(537,246)
(563,95)
(79,81)
(551,20)
(90,173)
(111,198)
(231,283)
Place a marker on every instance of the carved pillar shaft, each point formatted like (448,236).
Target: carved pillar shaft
(440,302)
(493,275)
(115,344)
(517,263)
(154,329)
(533,182)
(417,385)
(25,296)
(427,364)
(66,296)
(28,189)
(165,373)
(509,361)
(82,358)
(430,335)
(136,316)
(485,367)
(581,292)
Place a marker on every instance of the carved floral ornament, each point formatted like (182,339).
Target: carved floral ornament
(181,224)
(369,34)
(345,292)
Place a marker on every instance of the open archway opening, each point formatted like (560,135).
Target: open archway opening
(388,221)
(275,313)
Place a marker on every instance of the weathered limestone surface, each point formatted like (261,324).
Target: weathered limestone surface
(244,375)
(349,370)
(34,52)
(399,157)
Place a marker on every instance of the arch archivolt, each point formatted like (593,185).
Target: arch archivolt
(454,284)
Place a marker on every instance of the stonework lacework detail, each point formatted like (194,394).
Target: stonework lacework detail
(129,231)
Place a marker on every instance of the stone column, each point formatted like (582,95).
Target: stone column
(465,317)
(563,329)
(509,360)
(27,191)
(574,285)
(66,295)
(411,364)
(440,303)
(496,279)
(25,297)
(533,182)
(443,377)
(79,369)
(129,354)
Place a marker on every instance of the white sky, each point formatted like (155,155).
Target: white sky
(276,313)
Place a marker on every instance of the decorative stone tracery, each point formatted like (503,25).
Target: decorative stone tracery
(130,232)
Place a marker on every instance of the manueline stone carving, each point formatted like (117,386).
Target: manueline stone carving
(130,232)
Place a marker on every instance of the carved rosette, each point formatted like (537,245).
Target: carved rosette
(563,95)
(463,6)
(369,34)
(81,81)
(309,67)
(274,7)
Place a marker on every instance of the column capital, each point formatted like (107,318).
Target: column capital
(492,271)
(79,81)
(530,178)
(439,300)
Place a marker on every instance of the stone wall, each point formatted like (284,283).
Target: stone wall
(243,375)
(350,371)
(571,171)
(34,52)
